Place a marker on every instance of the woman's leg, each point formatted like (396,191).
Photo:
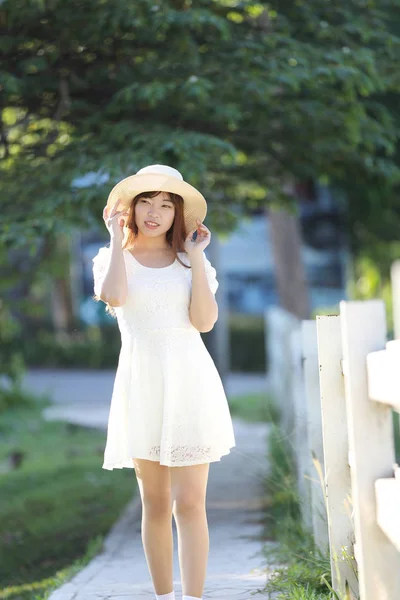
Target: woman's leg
(188,488)
(155,490)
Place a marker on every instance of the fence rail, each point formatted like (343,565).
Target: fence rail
(338,382)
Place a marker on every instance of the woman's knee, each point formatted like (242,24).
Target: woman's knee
(157,503)
(188,488)
(188,503)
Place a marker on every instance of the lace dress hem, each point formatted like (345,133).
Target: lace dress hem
(128,462)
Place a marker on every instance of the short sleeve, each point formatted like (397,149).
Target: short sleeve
(100,264)
(211,274)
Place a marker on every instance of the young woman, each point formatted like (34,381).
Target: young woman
(169,416)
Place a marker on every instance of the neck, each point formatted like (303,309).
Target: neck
(144,243)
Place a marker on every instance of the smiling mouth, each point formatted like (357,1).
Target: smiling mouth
(151,224)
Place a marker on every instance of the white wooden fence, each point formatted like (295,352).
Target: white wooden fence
(337,382)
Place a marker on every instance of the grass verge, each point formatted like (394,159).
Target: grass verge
(253,407)
(306,573)
(57,503)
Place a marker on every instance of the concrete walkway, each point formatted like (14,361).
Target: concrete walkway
(237,567)
(83,396)
(237,564)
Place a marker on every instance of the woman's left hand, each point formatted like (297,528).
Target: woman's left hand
(202,240)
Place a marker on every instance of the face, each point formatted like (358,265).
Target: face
(158,209)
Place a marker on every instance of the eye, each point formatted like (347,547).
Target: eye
(167,205)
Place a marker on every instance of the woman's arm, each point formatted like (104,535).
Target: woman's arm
(203,311)
(114,287)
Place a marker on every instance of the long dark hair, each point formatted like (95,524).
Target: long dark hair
(175,236)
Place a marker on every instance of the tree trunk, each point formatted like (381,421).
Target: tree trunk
(61,298)
(292,285)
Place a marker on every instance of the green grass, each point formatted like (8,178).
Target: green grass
(41,590)
(306,573)
(253,407)
(56,508)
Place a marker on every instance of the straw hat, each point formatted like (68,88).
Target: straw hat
(163,179)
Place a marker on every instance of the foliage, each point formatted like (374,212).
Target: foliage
(304,573)
(41,534)
(91,348)
(267,92)
(370,281)
(41,590)
(98,347)
(283,515)
(14,396)
(11,360)
(96,90)
(247,343)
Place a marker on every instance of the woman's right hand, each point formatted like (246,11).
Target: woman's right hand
(115,222)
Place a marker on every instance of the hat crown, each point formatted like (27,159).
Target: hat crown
(160,170)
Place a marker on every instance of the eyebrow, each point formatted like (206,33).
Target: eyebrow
(163,200)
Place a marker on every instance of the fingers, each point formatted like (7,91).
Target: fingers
(202,229)
(114,213)
(201,225)
(199,233)
(114,208)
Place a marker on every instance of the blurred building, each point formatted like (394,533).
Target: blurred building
(246,257)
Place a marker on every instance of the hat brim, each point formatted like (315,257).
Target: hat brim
(194,205)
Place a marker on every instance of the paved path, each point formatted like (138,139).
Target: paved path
(237,568)
(83,396)
(94,385)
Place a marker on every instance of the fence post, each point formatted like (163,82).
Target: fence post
(279,325)
(300,433)
(383,386)
(395,281)
(371,449)
(335,441)
(315,451)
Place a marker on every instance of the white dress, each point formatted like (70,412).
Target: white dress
(168,402)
